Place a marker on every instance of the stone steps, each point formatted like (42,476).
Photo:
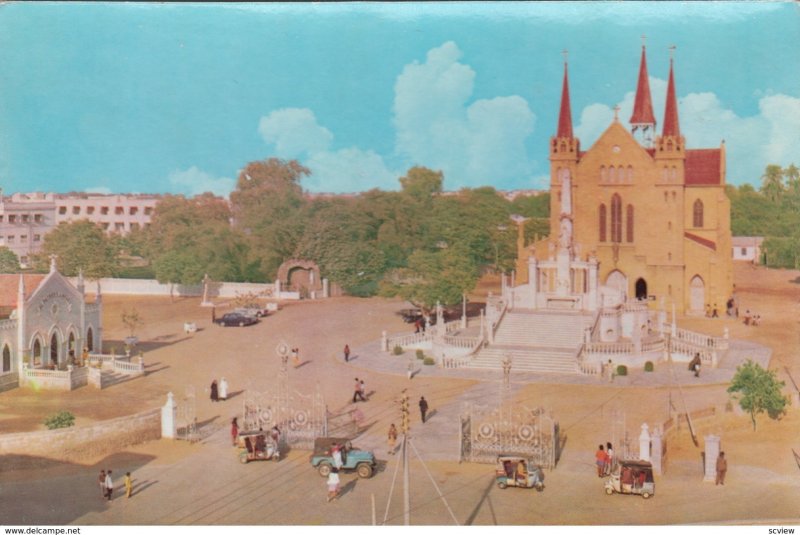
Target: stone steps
(542,360)
(530,329)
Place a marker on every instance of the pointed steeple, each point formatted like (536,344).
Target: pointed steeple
(643,116)
(565,115)
(671,125)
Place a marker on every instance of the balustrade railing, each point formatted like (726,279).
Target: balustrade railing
(609,348)
(452,363)
(708,356)
(463,342)
(410,339)
(129,368)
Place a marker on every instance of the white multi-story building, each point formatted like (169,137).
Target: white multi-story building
(25,218)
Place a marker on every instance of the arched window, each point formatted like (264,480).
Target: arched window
(602,222)
(612,174)
(697,219)
(6,359)
(674,174)
(630,174)
(629,224)
(666,196)
(89,339)
(603,175)
(616,218)
(664,174)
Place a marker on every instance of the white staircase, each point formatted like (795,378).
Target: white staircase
(536,342)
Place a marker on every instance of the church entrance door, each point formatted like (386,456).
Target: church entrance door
(54,349)
(641,289)
(697,294)
(618,281)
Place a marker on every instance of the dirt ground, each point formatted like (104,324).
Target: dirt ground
(763,482)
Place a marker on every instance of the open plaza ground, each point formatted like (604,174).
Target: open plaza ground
(176,482)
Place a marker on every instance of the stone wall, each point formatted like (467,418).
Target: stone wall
(95,440)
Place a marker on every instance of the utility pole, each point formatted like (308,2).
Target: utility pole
(405,425)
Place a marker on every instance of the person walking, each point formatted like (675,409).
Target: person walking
(362,391)
(223,389)
(722,467)
(333,484)
(392,438)
(610,455)
(234,430)
(128,485)
(357,392)
(214,391)
(296,356)
(423,407)
(101,479)
(336,453)
(601,458)
(109,485)
(346,353)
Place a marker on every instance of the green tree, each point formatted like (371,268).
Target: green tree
(9,263)
(79,245)
(758,391)
(443,276)
(772,183)
(268,206)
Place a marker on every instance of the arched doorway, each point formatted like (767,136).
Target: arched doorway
(697,294)
(89,340)
(641,288)
(37,353)
(71,345)
(54,349)
(617,280)
(6,359)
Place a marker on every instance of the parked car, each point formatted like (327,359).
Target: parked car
(363,462)
(252,311)
(236,318)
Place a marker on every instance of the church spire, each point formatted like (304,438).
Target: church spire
(565,115)
(671,125)
(643,116)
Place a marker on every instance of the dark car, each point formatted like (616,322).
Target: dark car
(236,318)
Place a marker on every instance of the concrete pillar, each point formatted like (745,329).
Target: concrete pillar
(169,418)
(533,278)
(384,341)
(326,291)
(277,289)
(710,458)
(644,443)
(657,451)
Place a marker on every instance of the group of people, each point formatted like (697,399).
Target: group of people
(605,460)
(752,319)
(359,391)
(333,482)
(219,391)
(106,483)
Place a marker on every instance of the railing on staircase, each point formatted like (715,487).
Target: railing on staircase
(697,339)
(708,356)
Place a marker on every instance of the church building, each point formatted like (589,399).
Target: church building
(45,323)
(651,212)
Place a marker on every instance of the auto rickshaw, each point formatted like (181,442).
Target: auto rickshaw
(632,477)
(256,446)
(513,471)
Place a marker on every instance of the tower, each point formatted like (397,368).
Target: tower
(642,119)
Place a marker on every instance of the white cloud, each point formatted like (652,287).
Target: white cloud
(751,143)
(294,132)
(475,144)
(193,181)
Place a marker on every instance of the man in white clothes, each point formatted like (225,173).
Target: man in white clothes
(223,389)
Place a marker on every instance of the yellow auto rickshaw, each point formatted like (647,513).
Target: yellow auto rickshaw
(256,446)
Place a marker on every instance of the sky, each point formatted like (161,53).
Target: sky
(178,98)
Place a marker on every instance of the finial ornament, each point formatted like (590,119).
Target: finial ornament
(565,53)
(644,38)
(672,52)
(616,113)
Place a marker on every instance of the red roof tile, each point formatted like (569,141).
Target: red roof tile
(703,167)
(9,286)
(702,241)
(643,104)
(565,114)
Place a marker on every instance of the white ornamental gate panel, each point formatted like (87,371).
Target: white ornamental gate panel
(300,418)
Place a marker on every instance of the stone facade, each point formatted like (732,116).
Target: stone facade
(653,213)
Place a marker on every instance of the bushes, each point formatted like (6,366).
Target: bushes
(648,366)
(622,370)
(397,350)
(420,354)
(59,420)
(429,361)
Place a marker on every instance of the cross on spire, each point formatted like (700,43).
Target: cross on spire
(565,53)
(672,49)
(616,113)
(644,38)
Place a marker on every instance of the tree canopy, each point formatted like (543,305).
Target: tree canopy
(758,391)
(9,263)
(80,245)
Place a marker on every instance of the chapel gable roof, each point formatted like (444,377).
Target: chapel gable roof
(9,286)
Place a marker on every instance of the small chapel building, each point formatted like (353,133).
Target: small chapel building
(45,322)
(651,212)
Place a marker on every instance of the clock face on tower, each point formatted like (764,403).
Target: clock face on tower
(615,149)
